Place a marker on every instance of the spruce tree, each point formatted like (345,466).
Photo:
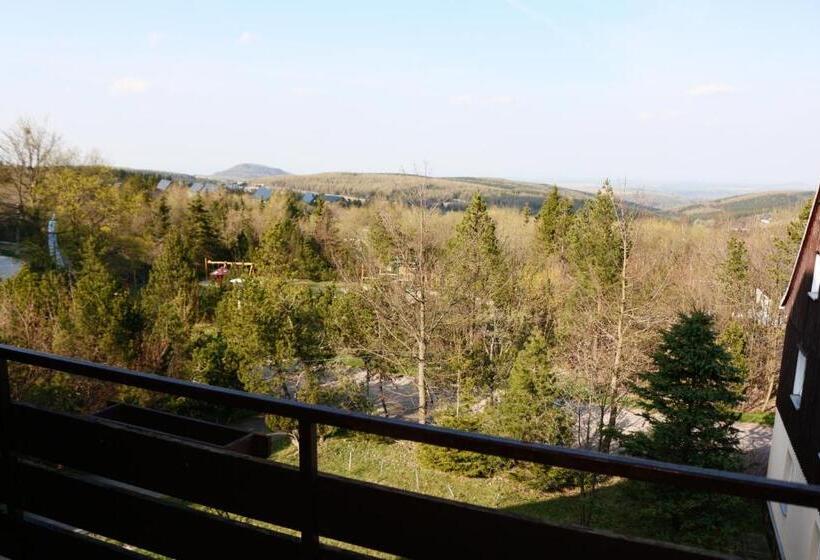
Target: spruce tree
(202,240)
(735,274)
(785,248)
(285,251)
(478,282)
(98,323)
(323,230)
(161,219)
(736,341)
(476,259)
(554,220)
(531,409)
(172,272)
(170,303)
(689,398)
(596,251)
(212,362)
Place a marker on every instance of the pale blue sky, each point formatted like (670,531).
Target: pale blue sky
(725,91)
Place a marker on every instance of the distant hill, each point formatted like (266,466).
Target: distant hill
(744,205)
(452,191)
(245,171)
(449,192)
(174,175)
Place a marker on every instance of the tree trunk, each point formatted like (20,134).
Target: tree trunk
(381,394)
(458,391)
(769,389)
(420,380)
(615,379)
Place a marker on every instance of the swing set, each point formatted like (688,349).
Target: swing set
(219,270)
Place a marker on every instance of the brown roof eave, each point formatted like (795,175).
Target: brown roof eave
(787,293)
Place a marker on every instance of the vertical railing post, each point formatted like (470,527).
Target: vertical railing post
(309,471)
(8,467)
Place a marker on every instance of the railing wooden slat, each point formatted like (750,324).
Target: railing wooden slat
(417,526)
(692,478)
(201,474)
(364,514)
(149,522)
(308,473)
(368,515)
(10,487)
(46,540)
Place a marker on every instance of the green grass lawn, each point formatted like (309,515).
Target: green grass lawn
(762,418)
(616,506)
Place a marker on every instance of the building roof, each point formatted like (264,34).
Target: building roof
(197,187)
(163,184)
(262,193)
(793,278)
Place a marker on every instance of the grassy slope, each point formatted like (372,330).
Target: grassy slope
(616,507)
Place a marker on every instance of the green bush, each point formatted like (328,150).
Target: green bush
(466,463)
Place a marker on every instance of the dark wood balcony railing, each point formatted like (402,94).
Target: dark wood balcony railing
(67,480)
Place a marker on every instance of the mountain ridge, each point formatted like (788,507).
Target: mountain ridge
(244,171)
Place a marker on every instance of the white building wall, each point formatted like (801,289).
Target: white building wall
(797,528)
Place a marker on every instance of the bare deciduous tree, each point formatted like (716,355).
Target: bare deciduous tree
(27,150)
(402,288)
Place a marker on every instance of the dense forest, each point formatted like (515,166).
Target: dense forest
(538,323)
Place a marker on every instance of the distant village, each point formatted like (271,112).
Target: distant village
(257,190)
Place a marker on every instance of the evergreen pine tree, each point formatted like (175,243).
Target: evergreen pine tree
(595,251)
(554,220)
(795,229)
(785,248)
(212,362)
(172,272)
(202,240)
(735,270)
(323,230)
(689,398)
(478,282)
(530,409)
(287,252)
(161,219)
(476,259)
(170,303)
(735,340)
(98,322)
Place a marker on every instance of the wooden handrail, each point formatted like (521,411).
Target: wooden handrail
(683,476)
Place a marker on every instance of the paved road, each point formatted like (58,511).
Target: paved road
(401,397)
(9,266)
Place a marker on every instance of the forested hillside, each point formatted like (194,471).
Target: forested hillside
(590,278)
(455,192)
(448,191)
(744,205)
(534,325)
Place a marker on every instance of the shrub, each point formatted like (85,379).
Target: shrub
(466,463)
